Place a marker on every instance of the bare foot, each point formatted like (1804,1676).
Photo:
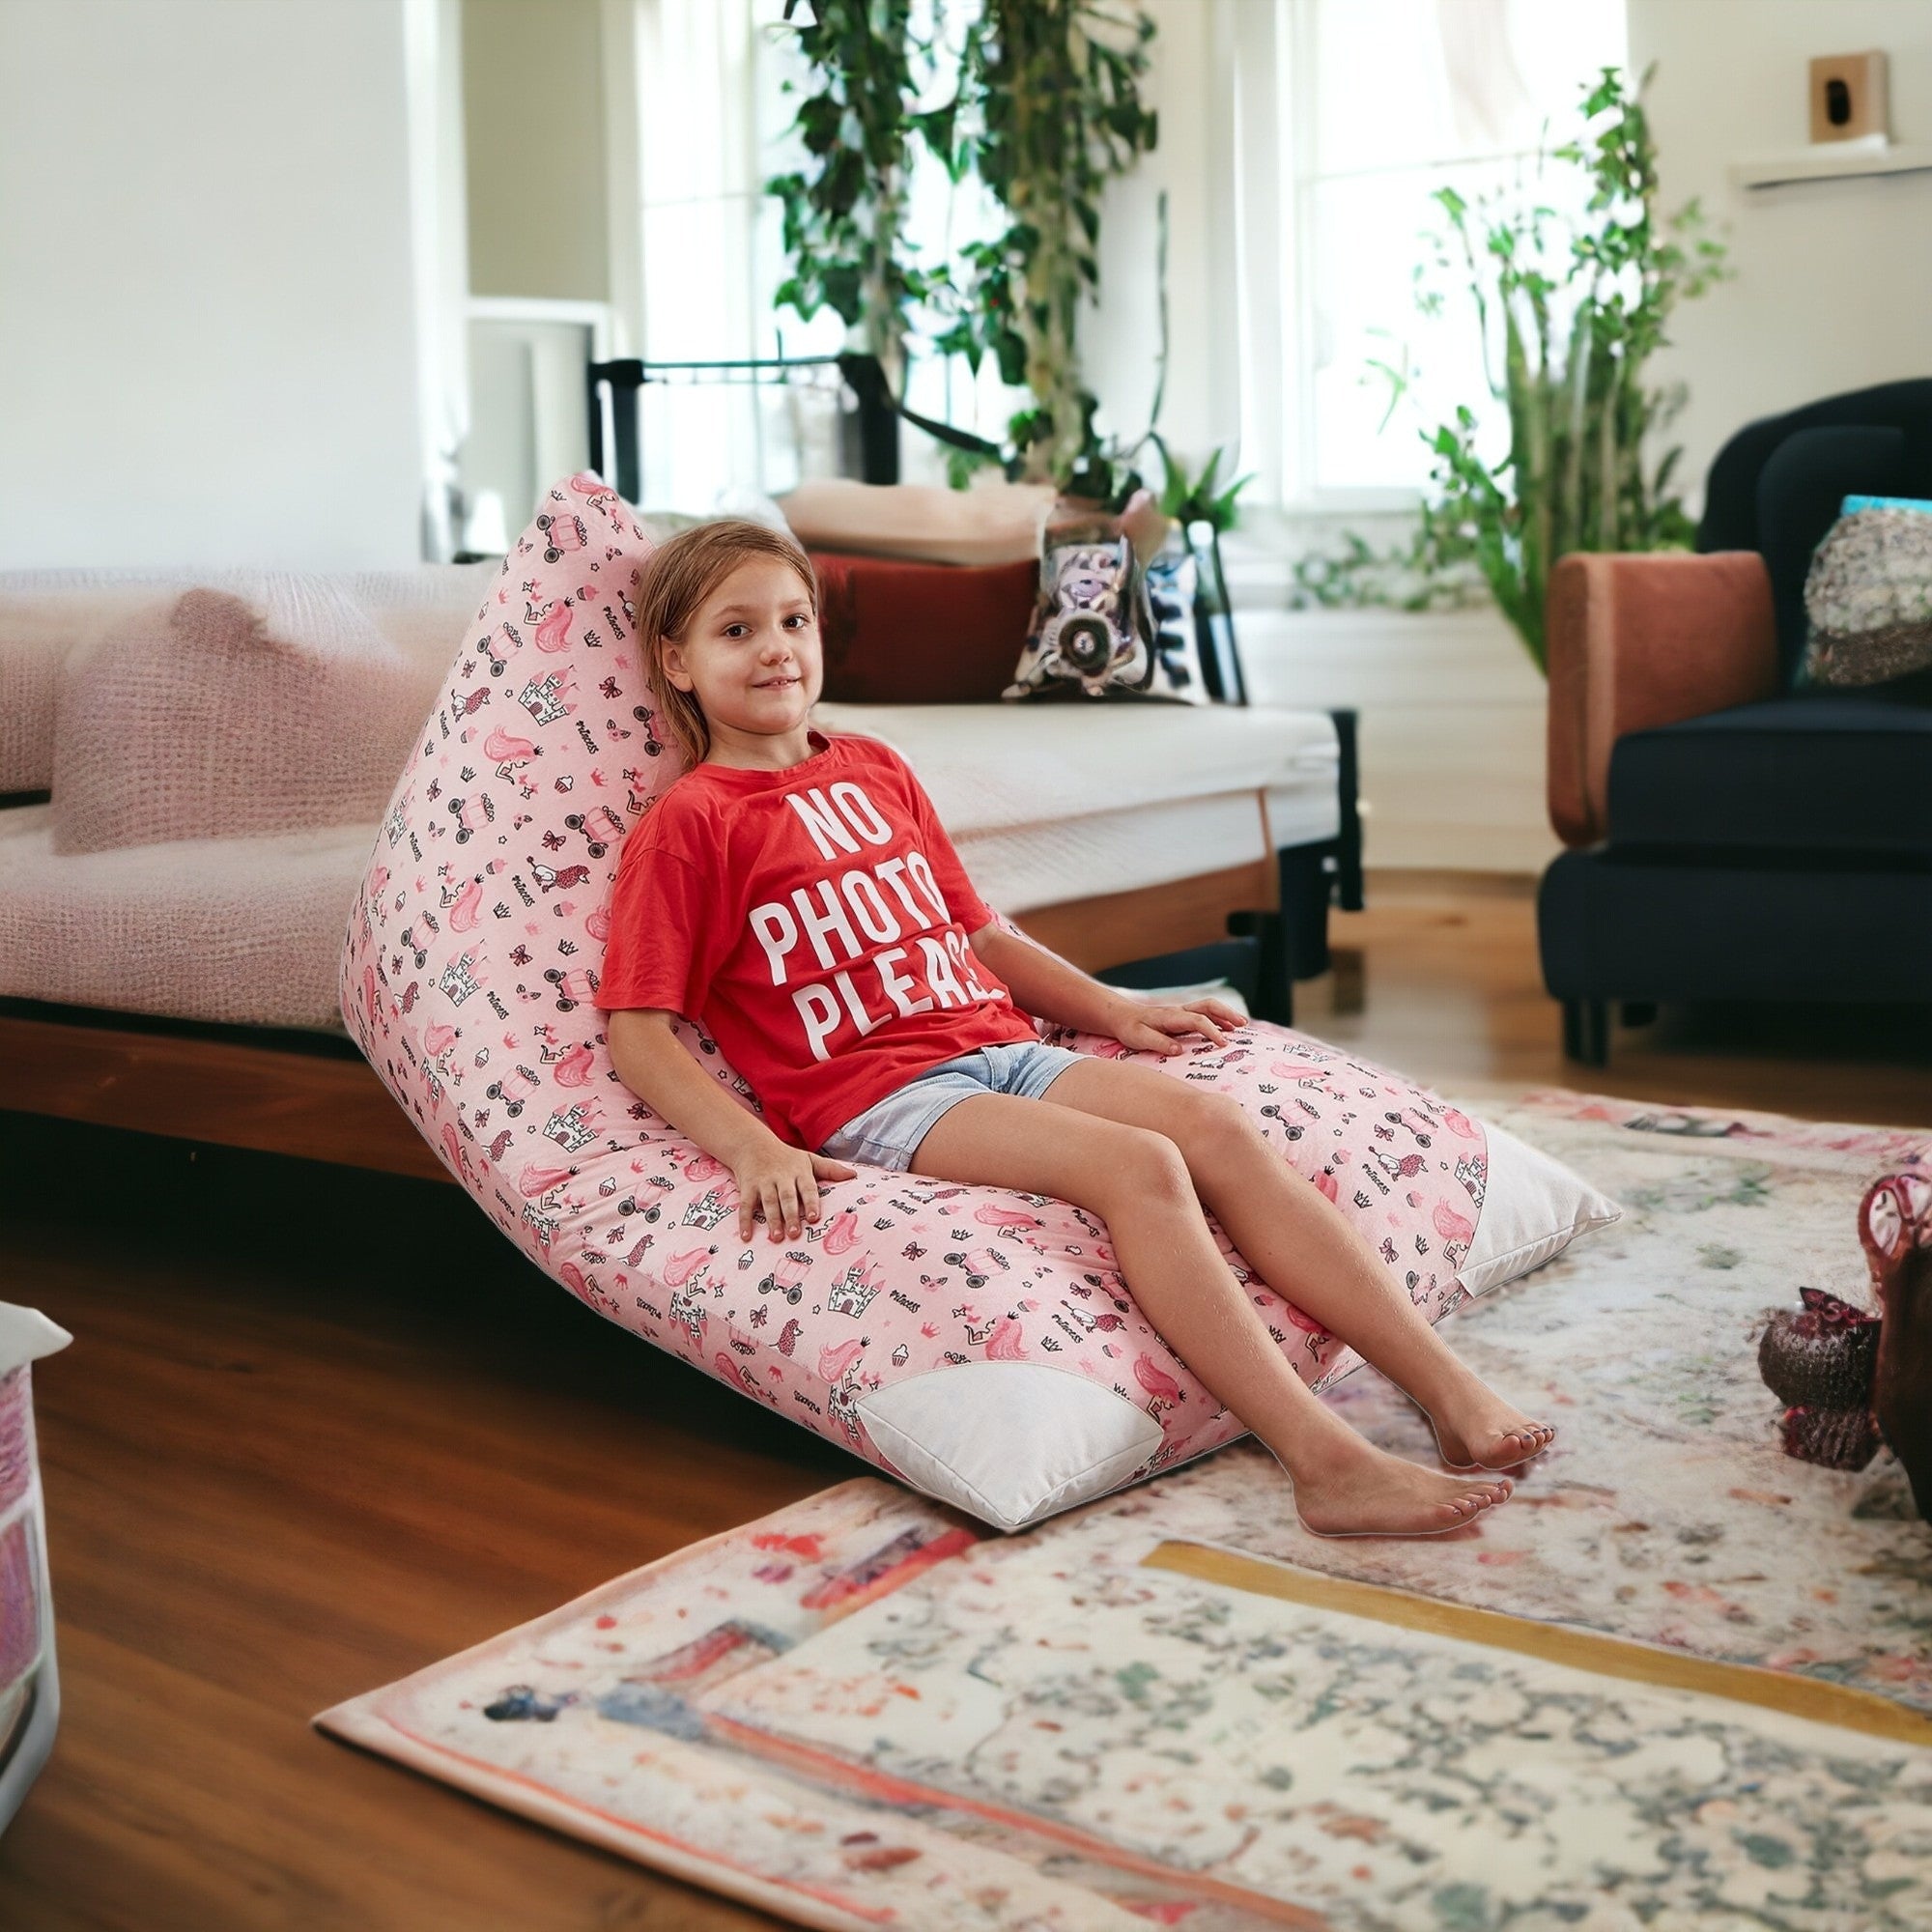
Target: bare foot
(1374,1493)
(1483,1432)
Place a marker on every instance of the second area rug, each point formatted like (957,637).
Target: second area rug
(1678,1678)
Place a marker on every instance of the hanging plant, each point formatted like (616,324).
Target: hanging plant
(845,214)
(1055,114)
(1566,336)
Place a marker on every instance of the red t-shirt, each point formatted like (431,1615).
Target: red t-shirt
(814,921)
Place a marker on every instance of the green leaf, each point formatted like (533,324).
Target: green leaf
(1221,508)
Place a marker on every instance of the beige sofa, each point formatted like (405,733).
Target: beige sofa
(194,767)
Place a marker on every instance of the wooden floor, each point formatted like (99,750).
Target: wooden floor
(320,1427)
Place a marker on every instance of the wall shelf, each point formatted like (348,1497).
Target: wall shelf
(1830,160)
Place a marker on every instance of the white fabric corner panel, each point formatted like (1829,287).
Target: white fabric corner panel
(1534,1209)
(1010,1442)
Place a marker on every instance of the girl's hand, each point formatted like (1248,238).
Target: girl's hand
(779,1184)
(1149,1025)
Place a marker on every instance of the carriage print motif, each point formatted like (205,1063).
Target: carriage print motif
(564,534)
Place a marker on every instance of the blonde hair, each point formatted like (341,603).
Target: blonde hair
(678,576)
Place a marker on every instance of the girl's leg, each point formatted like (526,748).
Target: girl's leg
(1309,1253)
(1138,1182)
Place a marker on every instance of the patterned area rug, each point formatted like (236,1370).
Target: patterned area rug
(1679,1677)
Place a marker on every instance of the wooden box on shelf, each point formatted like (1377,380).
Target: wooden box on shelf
(1848,98)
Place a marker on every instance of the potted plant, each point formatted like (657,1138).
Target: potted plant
(1568,320)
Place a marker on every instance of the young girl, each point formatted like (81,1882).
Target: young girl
(796,894)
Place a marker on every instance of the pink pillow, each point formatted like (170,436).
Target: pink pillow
(214,713)
(44,614)
(977,1342)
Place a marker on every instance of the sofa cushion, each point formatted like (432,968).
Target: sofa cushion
(1822,772)
(214,713)
(44,614)
(1615,928)
(1730,492)
(904,633)
(990,768)
(245,931)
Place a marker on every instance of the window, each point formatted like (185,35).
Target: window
(1301,141)
(1382,103)
(700,186)
(715,121)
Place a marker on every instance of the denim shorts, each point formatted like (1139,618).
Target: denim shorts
(888,1133)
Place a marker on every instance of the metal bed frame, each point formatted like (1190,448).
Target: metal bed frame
(871,432)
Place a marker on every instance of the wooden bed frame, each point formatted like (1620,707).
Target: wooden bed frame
(291,1091)
(285,1091)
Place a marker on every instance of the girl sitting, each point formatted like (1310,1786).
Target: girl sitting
(794,894)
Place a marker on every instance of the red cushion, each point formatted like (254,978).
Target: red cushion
(899,632)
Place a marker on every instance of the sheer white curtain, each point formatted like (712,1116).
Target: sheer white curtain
(1358,111)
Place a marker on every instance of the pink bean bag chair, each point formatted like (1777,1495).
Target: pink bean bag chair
(978,1344)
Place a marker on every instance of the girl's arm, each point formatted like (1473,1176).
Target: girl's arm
(652,1062)
(1045,984)
(776,1182)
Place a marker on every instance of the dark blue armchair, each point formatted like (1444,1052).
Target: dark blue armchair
(1733,837)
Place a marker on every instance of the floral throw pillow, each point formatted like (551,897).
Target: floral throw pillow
(1868,596)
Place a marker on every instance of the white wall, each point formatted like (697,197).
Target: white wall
(1834,287)
(1449,723)
(207,348)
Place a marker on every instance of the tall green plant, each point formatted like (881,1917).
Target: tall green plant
(1048,111)
(1056,114)
(844,214)
(1565,334)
